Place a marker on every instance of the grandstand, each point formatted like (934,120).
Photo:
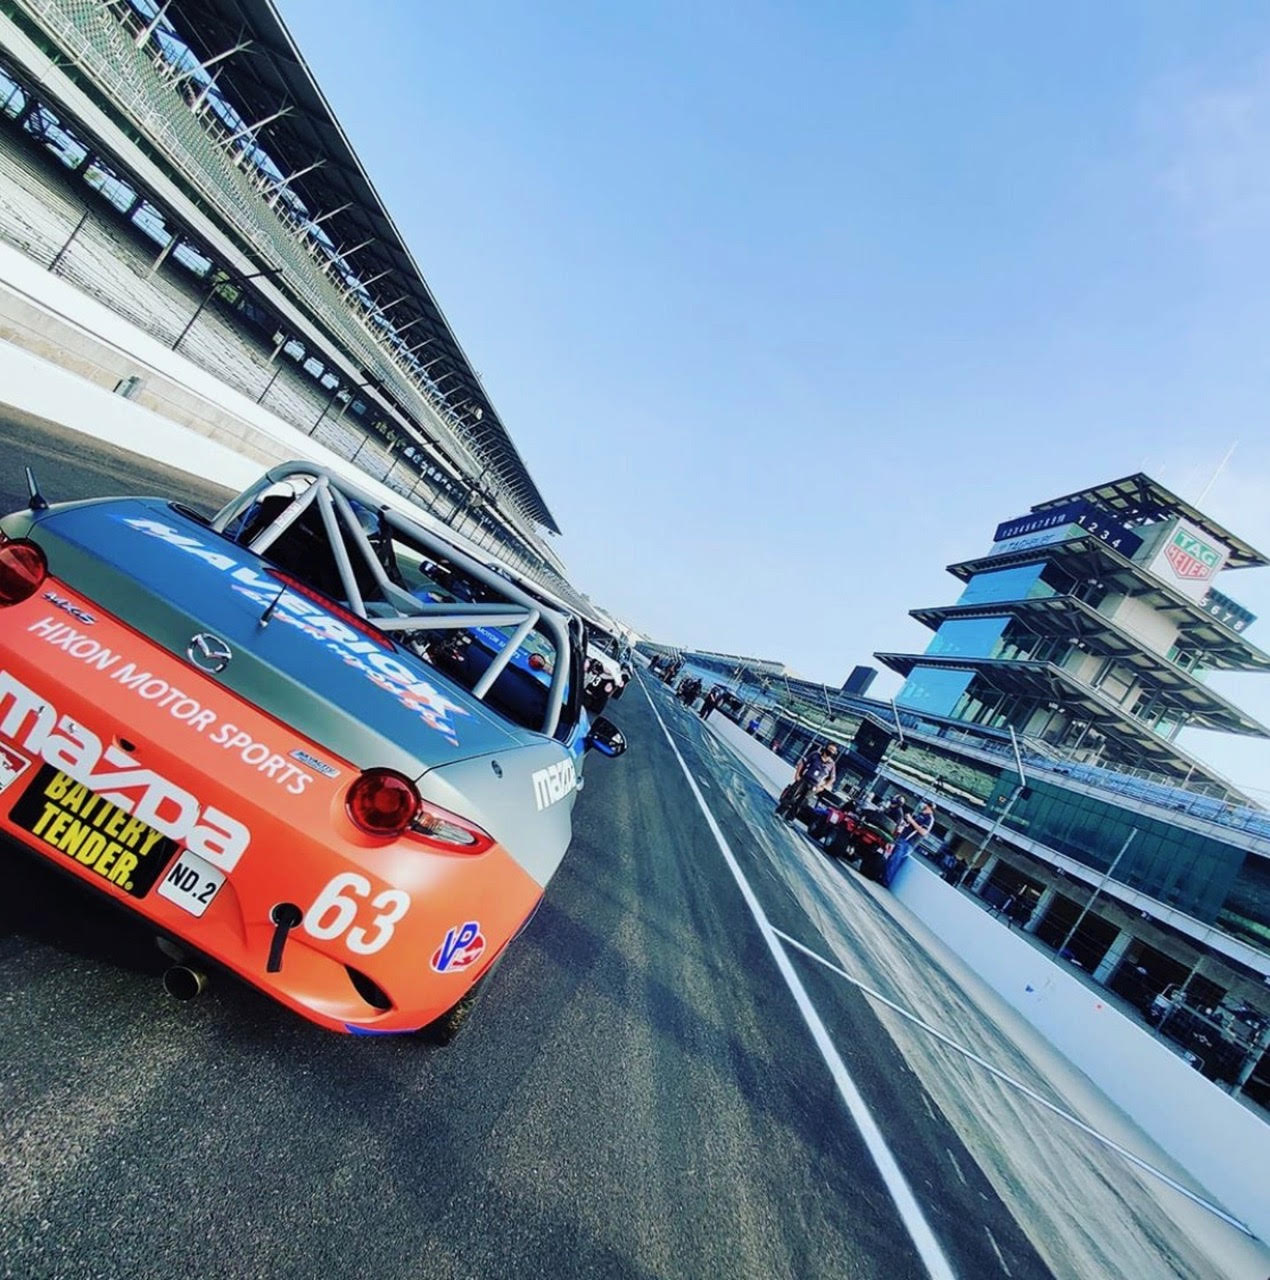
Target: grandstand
(179,164)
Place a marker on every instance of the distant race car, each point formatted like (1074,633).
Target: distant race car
(309,740)
(605,676)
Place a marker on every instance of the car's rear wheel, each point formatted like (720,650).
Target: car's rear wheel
(441,1031)
(839,843)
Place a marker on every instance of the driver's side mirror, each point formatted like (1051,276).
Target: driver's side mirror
(606,738)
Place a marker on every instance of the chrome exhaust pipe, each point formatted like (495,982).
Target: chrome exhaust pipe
(182,982)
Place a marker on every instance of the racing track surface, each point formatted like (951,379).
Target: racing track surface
(636,1093)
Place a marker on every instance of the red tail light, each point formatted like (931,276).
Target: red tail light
(385,803)
(23,569)
(448,831)
(382,803)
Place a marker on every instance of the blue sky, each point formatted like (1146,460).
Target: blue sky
(786,306)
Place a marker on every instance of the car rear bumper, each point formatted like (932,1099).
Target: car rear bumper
(162,790)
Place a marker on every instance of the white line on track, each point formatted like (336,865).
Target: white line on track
(1137,1161)
(901,1193)
(992,1240)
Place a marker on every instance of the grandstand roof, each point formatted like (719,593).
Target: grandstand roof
(271,74)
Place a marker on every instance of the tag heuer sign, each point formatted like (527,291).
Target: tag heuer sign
(1191,557)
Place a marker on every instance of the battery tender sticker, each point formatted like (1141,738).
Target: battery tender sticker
(65,815)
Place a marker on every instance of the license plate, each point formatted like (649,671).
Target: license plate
(191,883)
(65,815)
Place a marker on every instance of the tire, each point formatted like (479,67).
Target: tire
(441,1031)
(873,863)
(839,844)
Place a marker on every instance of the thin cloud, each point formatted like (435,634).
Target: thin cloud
(1217,140)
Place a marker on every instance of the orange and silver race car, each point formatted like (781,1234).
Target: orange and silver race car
(310,740)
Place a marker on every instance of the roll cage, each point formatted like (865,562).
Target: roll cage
(368,582)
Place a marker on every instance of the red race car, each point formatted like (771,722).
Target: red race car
(307,741)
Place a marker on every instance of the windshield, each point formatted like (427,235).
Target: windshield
(605,643)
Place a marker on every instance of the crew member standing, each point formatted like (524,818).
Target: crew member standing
(817,771)
(917,826)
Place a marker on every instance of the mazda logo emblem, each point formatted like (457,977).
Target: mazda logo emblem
(209,653)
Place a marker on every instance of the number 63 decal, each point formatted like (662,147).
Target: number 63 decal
(334,910)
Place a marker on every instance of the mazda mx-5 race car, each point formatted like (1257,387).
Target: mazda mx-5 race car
(608,667)
(309,739)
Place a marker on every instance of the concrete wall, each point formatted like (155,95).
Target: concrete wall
(1145,623)
(1222,1144)
(773,772)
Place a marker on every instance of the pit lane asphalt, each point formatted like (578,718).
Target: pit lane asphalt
(634,1095)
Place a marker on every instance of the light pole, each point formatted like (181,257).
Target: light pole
(1005,809)
(216,284)
(326,408)
(474,501)
(1106,875)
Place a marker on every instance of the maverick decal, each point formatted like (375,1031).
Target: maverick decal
(380,667)
(318,766)
(111,773)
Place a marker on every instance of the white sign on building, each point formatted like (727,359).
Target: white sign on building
(1188,559)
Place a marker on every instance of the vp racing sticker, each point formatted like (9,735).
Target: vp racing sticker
(462,947)
(381,668)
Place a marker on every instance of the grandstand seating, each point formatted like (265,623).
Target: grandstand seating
(112,259)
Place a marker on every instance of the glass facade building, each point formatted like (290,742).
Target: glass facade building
(1088,627)
(1215,877)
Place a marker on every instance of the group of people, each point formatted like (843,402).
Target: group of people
(817,772)
(912,824)
(689,691)
(665,667)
